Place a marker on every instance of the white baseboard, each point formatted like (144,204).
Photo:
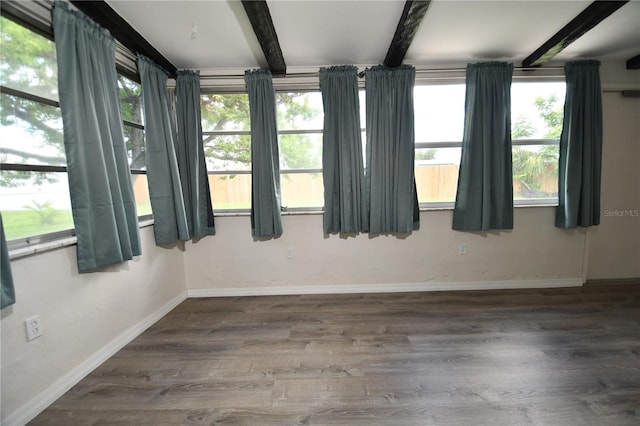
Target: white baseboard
(383,288)
(29,411)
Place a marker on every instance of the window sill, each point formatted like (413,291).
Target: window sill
(433,208)
(241,213)
(55,244)
(70,241)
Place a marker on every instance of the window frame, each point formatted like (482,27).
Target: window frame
(36,28)
(214,133)
(436,79)
(447,205)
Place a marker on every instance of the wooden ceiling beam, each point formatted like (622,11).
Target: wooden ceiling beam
(595,13)
(634,63)
(120,29)
(412,15)
(262,24)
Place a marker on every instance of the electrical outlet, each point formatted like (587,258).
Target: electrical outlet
(33,327)
(289,252)
(462,248)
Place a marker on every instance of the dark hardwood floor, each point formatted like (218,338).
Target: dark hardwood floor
(522,357)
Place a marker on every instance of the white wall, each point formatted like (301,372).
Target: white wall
(84,318)
(534,251)
(615,244)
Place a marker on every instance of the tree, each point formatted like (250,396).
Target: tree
(551,112)
(426,154)
(528,165)
(131,106)
(230,112)
(29,65)
(522,127)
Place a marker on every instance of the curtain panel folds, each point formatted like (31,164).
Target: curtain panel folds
(190,155)
(265,163)
(163,177)
(345,203)
(389,178)
(7,292)
(102,200)
(580,147)
(484,199)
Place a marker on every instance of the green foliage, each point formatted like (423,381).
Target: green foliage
(230,112)
(552,114)
(25,223)
(522,127)
(529,166)
(13,179)
(426,154)
(29,64)
(45,211)
(298,152)
(28,60)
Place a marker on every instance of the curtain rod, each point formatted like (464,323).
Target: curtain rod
(361,73)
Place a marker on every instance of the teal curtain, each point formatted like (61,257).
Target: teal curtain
(345,205)
(265,166)
(389,179)
(102,200)
(580,147)
(7,294)
(190,154)
(163,177)
(484,199)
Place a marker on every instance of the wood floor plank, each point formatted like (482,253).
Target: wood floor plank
(519,357)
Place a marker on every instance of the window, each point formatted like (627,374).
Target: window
(536,111)
(131,107)
(227,148)
(536,124)
(439,122)
(227,145)
(34,192)
(300,122)
(439,125)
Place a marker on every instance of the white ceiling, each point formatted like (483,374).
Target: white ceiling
(315,33)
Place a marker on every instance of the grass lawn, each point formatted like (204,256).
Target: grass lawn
(26,223)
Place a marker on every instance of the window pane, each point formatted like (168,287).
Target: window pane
(302,189)
(537,110)
(31,132)
(34,203)
(436,172)
(301,151)
(141,194)
(130,100)
(225,112)
(134,138)
(28,61)
(230,191)
(535,171)
(228,152)
(439,112)
(299,111)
